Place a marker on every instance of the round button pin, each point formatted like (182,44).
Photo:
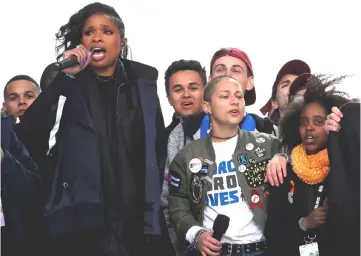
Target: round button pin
(242,168)
(290,198)
(260,140)
(249,146)
(255,199)
(195,165)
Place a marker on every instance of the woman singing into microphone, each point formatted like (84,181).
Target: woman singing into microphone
(297,212)
(102,162)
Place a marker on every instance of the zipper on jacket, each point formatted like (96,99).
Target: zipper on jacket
(117,99)
(101,170)
(202,208)
(207,189)
(117,104)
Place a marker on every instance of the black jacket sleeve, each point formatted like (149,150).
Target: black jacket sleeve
(21,192)
(19,180)
(282,225)
(343,183)
(37,122)
(161,143)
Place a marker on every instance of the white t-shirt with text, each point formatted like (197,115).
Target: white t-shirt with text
(226,198)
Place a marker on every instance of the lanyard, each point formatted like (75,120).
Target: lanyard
(311,236)
(319,195)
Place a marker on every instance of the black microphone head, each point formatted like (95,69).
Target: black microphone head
(220,224)
(67,63)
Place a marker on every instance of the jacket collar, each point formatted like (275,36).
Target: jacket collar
(209,146)
(192,123)
(265,125)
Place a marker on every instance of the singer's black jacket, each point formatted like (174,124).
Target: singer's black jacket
(73,169)
(283,234)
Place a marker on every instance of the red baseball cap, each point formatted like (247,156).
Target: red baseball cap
(250,96)
(293,67)
(299,83)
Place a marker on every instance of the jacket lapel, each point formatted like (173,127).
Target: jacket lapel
(210,150)
(133,90)
(76,109)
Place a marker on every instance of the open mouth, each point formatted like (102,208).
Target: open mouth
(98,53)
(309,139)
(187,104)
(22,111)
(234,112)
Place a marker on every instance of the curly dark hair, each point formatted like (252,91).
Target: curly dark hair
(318,89)
(181,65)
(69,35)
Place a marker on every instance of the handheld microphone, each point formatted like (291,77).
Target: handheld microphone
(66,63)
(220,226)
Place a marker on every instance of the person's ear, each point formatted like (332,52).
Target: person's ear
(206,108)
(274,104)
(250,83)
(124,43)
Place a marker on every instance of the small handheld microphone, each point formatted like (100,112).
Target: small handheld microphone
(67,63)
(220,226)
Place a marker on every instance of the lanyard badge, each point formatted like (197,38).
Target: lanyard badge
(310,248)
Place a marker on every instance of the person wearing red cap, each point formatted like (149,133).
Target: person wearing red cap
(298,87)
(225,62)
(277,104)
(236,63)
